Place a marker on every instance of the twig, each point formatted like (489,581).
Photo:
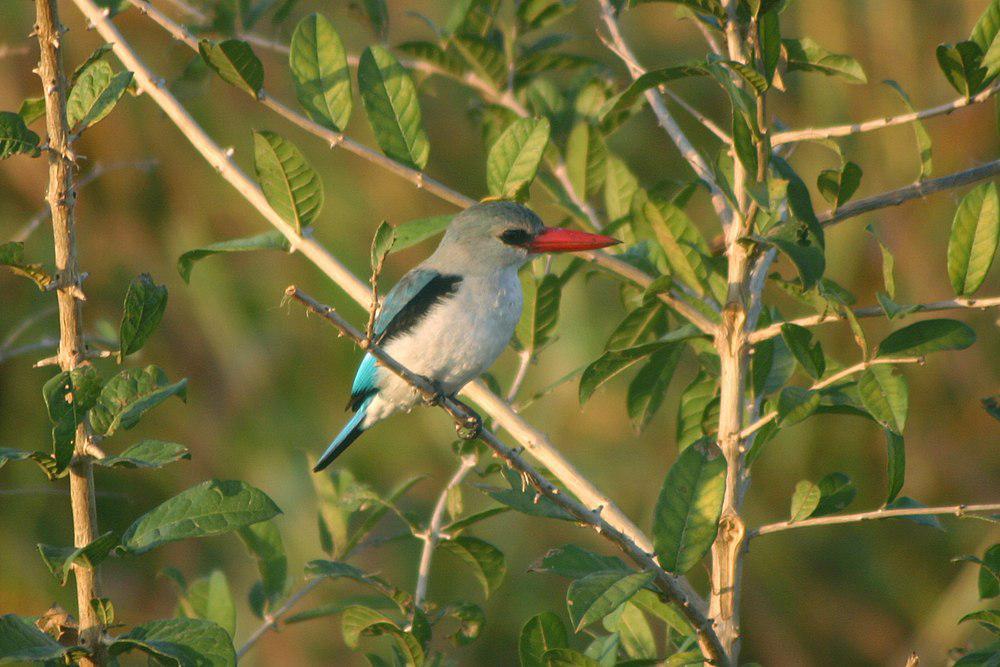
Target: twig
(874,515)
(271,619)
(663,115)
(791,136)
(96,172)
(61,196)
(26,324)
(670,591)
(773,330)
(828,381)
(698,115)
(524,361)
(921,189)
(534,440)
(432,535)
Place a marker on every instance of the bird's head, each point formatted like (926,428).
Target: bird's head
(505,233)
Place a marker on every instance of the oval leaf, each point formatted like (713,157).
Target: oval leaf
(542,633)
(487,562)
(15,137)
(975,234)
(145,302)
(290,184)
(514,157)
(885,395)
(181,641)
(927,336)
(595,596)
(319,67)
(393,109)
(270,240)
(235,62)
(805,499)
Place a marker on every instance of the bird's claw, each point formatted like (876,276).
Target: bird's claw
(437,398)
(470,427)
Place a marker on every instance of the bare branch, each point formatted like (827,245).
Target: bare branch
(271,619)
(920,189)
(791,136)
(773,330)
(709,124)
(670,590)
(534,440)
(524,361)
(875,515)
(828,381)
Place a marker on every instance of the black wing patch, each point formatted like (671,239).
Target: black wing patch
(434,292)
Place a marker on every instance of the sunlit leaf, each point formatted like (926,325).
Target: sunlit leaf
(15,137)
(95,94)
(836,492)
(413,232)
(270,240)
(541,633)
(235,62)
(586,154)
(540,311)
(179,641)
(806,55)
(60,560)
(922,136)
(575,562)
(487,562)
(885,395)
(595,596)
(146,454)
(975,234)
(805,499)
(895,465)
(926,336)
(318,64)
(649,387)
(359,620)
(129,394)
(514,158)
(693,403)
(210,598)
(292,187)
(393,109)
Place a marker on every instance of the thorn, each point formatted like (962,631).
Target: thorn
(229,150)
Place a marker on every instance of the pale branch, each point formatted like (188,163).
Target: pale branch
(669,586)
(914,191)
(791,136)
(875,515)
(977,303)
(827,382)
(271,619)
(61,197)
(95,172)
(695,113)
(524,361)
(663,115)
(432,535)
(534,440)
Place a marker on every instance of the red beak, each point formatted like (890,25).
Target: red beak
(560,239)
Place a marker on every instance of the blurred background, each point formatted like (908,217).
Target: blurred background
(267,384)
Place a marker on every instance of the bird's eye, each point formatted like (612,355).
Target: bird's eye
(516,236)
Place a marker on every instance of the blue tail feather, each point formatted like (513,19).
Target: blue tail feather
(351,431)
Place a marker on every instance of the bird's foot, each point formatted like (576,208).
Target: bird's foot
(437,398)
(470,427)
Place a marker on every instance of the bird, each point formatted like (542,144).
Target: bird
(450,317)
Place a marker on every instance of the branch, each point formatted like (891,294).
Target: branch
(701,167)
(61,196)
(432,535)
(920,189)
(669,585)
(826,382)
(6,51)
(874,515)
(271,620)
(981,303)
(791,136)
(533,439)
(96,172)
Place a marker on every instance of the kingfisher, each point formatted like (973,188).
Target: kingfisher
(450,317)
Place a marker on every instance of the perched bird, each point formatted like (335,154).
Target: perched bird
(449,318)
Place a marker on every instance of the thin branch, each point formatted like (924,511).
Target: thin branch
(828,381)
(920,189)
(670,591)
(96,172)
(791,136)
(698,115)
(524,361)
(663,115)
(271,620)
(534,440)
(981,303)
(14,334)
(61,197)
(875,515)
(432,535)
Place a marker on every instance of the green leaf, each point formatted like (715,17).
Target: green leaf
(885,395)
(210,508)
(235,62)
(809,354)
(567,657)
(94,56)
(632,629)
(926,336)
(693,403)
(487,562)
(744,143)
(289,182)
(12,257)
(805,499)
(888,265)
(604,650)
(15,137)
(687,512)
(534,14)
(987,27)
(104,609)
(318,64)
(263,541)
(808,56)
(60,560)
(989,573)
(448,62)
(651,79)
(541,633)
(540,312)
(146,454)
(975,234)
(595,596)
(94,95)
(923,138)
(639,326)
(769,36)
(382,242)
(836,492)
(992,406)
(21,642)
(271,240)
(209,598)
(128,395)
(796,404)
(514,158)
(413,232)
(586,154)
(905,502)
(32,109)
(838,185)
(987,618)
(483,56)
(683,245)
(142,311)
(613,362)
(358,620)
(620,186)
(649,387)
(895,465)
(180,642)
(575,562)
(68,396)
(961,64)
(393,109)
(378,16)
